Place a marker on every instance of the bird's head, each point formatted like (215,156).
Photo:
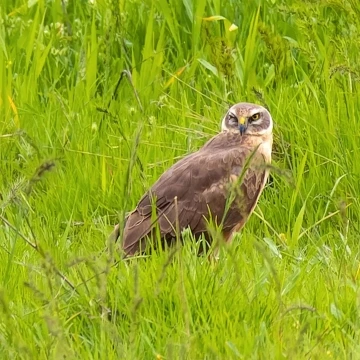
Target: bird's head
(247,119)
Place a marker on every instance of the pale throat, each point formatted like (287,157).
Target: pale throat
(266,146)
(263,142)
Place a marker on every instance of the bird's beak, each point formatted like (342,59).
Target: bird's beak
(242,125)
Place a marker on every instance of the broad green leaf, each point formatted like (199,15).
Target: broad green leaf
(208,66)
(214,18)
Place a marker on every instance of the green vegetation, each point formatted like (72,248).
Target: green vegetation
(77,152)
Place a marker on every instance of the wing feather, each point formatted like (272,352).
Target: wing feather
(200,183)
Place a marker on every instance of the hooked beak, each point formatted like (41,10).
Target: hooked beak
(242,125)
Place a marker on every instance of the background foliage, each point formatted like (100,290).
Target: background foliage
(77,151)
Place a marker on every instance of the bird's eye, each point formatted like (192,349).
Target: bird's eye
(233,120)
(254,117)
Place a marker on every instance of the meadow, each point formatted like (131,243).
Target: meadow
(97,99)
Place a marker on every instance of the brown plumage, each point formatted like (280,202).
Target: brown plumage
(222,181)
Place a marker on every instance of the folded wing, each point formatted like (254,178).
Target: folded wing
(210,183)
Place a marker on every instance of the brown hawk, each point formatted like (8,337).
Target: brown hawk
(221,183)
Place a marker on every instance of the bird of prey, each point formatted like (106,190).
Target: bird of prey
(220,183)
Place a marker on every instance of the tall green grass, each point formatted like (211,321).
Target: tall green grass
(78,149)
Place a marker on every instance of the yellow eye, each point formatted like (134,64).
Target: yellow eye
(255,117)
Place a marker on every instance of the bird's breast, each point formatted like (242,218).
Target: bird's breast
(263,144)
(265,149)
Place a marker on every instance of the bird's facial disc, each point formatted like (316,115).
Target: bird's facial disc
(247,119)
